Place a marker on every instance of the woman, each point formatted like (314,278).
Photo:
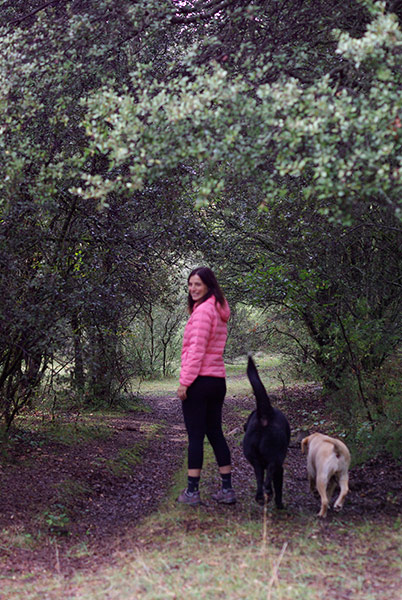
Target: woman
(202,382)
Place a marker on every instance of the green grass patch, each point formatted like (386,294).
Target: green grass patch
(68,428)
(271,368)
(186,553)
(264,361)
(124,404)
(36,429)
(125,460)
(122,464)
(70,491)
(15,537)
(155,387)
(70,434)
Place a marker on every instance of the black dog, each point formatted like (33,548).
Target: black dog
(266,440)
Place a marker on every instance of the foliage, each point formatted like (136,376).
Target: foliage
(152,340)
(247,332)
(57,519)
(382,407)
(336,141)
(266,137)
(71,274)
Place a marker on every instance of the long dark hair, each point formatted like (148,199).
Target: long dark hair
(207,276)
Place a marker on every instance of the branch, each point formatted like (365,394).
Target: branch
(294,338)
(356,368)
(201,17)
(34,12)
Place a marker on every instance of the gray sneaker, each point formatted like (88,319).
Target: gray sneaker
(192,498)
(225,496)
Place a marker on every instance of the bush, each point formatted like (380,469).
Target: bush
(371,413)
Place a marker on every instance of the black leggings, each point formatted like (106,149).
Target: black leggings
(202,411)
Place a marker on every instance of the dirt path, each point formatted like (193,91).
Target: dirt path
(41,480)
(103,508)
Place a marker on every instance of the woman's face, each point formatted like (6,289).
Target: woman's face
(197,288)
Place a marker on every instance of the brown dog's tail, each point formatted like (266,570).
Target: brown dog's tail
(304,444)
(340,448)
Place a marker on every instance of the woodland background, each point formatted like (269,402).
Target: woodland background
(139,139)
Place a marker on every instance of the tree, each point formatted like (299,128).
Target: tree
(250,109)
(311,171)
(71,273)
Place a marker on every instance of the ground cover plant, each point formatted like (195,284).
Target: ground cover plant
(72,527)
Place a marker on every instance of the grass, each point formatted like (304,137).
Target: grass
(63,430)
(187,553)
(237,382)
(16,537)
(127,458)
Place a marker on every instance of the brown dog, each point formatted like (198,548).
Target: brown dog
(328,461)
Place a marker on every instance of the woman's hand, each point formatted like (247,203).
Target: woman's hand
(182,392)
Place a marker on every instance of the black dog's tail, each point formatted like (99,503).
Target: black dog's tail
(264,408)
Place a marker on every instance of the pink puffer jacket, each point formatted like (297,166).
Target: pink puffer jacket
(204,341)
